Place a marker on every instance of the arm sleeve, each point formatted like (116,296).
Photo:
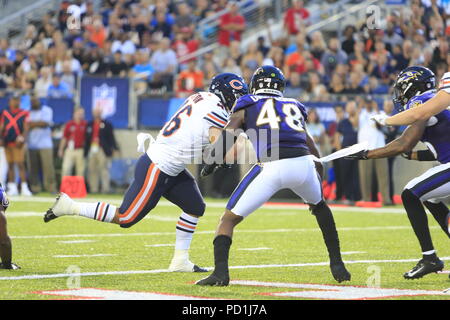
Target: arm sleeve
(216,118)
(445,83)
(425,155)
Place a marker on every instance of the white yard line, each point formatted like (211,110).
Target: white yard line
(26,214)
(140,234)
(85,255)
(160,245)
(77,241)
(222,204)
(157,271)
(352,252)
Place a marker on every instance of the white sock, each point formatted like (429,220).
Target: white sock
(427,253)
(185,230)
(100,211)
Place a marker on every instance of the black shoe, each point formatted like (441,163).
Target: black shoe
(214,280)
(49,216)
(11,266)
(340,273)
(199,269)
(423,268)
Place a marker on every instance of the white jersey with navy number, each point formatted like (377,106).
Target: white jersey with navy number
(183,138)
(445,83)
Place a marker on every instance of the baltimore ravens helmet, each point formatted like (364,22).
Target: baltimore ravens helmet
(268,80)
(228,87)
(411,82)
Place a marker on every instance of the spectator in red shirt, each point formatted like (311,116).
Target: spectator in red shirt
(231,26)
(183,47)
(14,127)
(295,17)
(71,147)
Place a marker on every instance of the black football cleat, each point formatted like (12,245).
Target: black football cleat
(423,268)
(49,216)
(214,280)
(340,273)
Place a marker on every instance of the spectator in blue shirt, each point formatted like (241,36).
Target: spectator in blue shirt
(40,147)
(9,52)
(142,72)
(58,89)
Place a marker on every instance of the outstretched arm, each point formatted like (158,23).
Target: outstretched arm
(438,103)
(405,143)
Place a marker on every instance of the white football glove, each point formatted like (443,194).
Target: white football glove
(380,118)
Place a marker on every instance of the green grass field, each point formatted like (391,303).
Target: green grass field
(275,244)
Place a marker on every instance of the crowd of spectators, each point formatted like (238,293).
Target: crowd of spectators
(150,41)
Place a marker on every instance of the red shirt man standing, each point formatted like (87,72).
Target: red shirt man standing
(295,17)
(231,25)
(71,147)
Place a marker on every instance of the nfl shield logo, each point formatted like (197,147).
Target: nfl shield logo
(104,97)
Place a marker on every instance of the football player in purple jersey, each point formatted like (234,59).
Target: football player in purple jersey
(413,87)
(275,125)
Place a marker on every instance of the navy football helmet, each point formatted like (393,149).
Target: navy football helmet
(411,82)
(268,80)
(228,87)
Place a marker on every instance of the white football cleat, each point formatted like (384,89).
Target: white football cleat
(63,206)
(25,191)
(12,189)
(181,263)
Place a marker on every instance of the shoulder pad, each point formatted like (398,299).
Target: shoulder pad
(244,102)
(420,99)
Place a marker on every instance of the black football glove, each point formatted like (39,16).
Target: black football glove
(11,266)
(207,170)
(211,168)
(360,155)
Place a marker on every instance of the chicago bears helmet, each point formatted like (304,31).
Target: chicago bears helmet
(268,80)
(228,87)
(411,82)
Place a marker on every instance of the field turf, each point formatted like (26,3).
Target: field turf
(277,243)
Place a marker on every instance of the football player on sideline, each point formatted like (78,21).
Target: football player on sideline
(161,172)
(285,163)
(438,103)
(5,240)
(413,87)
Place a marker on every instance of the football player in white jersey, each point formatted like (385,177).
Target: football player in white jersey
(161,171)
(438,103)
